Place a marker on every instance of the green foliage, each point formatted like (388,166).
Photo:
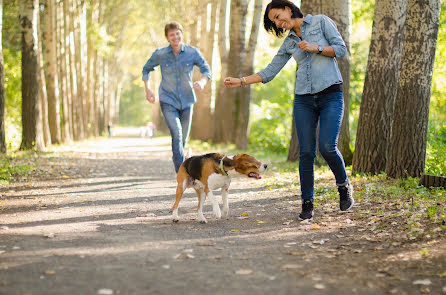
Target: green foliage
(271,117)
(8,170)
(436,150)
(438,100)
(13,97)
(134,109)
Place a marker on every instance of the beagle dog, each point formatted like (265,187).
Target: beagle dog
(210,172)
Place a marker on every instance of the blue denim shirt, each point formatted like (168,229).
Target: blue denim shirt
(176,86)
(315,72)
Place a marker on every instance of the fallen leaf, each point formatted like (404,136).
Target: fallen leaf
(245,214)
(315,226)
(244,271)
(425,282)
(50,272)
(235,230)
(319,287)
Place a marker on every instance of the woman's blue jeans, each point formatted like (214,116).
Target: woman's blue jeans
(178,122)
(327,109)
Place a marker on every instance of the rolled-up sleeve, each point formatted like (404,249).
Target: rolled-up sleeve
(201,63)
(333,37)
(277,63)
(150,65)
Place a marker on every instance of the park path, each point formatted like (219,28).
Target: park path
(96,220)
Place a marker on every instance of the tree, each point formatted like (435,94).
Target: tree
(52,78)
(31,115)
(2,88)
(202,110)
(232,106)
(377,104)
(407,148)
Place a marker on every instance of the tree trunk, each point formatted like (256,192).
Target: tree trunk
(377,104)
(243,114)
(237,54)
(293,152)
(61,52)
(222,104)
(91,65)
(43,97)
(202,110)
(31,116)
(407,151)
(340,12)
(52,79)
(2,87)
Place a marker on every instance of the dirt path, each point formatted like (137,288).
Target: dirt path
(97,221)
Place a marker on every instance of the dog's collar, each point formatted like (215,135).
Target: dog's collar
(222,168)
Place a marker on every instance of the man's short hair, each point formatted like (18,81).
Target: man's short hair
(173,26)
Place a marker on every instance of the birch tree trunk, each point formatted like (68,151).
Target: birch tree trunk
(2,87)
(32,136)
(407,151)
(380,86)
(340,12)
(52,79)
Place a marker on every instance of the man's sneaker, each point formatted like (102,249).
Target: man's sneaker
(346,200)
(307,210)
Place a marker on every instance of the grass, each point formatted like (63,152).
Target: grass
(10,170)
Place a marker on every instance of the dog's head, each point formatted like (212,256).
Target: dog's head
(248,165)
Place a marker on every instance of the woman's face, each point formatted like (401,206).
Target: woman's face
(174,37)
(281,17)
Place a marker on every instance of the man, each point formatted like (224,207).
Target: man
(175,92)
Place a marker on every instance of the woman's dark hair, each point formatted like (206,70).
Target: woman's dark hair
(271,26)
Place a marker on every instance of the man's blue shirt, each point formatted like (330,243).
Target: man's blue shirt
(315,72)
(176,86)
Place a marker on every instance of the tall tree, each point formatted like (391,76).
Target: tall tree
(377,104)
(232,106)
(52,78)
(43,98)
(407,151)
(2,88)
(202,110)
(340,12)
(222,106)
(31,115)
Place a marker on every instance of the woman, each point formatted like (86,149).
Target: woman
(176,94)
(314,42)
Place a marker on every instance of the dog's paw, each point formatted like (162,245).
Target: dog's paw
(217,214)
(203,221)
(225,213)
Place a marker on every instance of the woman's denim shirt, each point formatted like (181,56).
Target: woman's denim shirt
(176,86)
(315,72)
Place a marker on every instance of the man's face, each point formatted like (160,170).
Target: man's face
(174,37)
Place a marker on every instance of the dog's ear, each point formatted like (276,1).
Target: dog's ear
(228,163)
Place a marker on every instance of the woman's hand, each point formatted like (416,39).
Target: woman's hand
(232,82)
(305,46)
